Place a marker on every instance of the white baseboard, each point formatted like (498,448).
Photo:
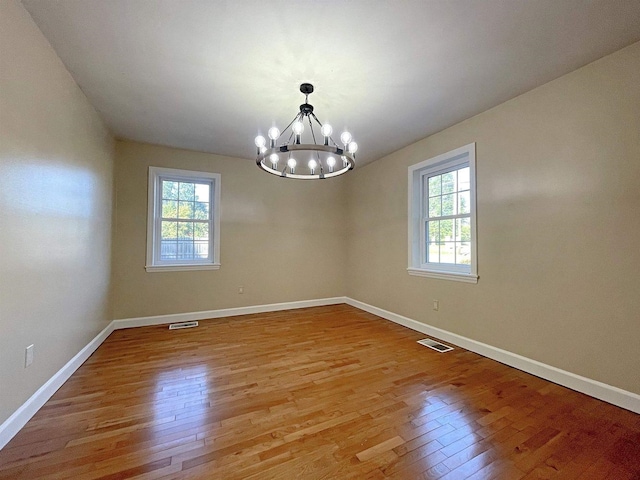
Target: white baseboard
(28,409)
(602,391)
(225,312)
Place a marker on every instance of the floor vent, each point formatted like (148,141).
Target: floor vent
(440,347)
(176,326)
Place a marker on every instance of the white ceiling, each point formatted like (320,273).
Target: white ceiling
(209,75)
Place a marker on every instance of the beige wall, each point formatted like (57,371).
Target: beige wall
(282,240)
(558,180)
(55,211)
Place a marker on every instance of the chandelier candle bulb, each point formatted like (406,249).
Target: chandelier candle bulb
(298,128)
(274,133)
(322,163)
(331,162)
(326,131)
(260,143)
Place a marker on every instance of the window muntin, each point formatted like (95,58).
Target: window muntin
(183,230)
(442,238)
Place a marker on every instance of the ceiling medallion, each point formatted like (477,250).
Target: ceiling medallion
(324,160)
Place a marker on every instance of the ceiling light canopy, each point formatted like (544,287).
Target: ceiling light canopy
(306,161)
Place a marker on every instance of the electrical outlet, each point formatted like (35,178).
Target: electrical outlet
(28,356)
(436,305)
(240,290)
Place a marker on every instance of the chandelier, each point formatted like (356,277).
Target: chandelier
(324,160)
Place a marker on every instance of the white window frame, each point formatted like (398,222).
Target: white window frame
(154,220)
(455,159)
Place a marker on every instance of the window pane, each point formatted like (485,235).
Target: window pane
(202,192)
(187,191)
(463,179)
(169,190)
(447,252)
(201,249)
(449,182)
(435,209)
(168,244)
(185,231)
(433,253)
(446,230)
(168,250)
(201,211)
(186,210)
(464,202)
(434,185)
(201,231)
(185,241)
(185,250)
(449,204)
(433,231)
(169,209)
(169,230)
(464,229)
(463,253)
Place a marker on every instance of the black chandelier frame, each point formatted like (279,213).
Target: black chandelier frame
(323,167)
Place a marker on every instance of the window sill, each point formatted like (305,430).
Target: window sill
(182,268)
(454,276)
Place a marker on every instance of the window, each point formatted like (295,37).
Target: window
(442,220)
(183,225)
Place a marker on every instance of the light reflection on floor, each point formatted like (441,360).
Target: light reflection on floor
(180,393)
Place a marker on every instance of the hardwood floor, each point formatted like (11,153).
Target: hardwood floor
(327,392)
